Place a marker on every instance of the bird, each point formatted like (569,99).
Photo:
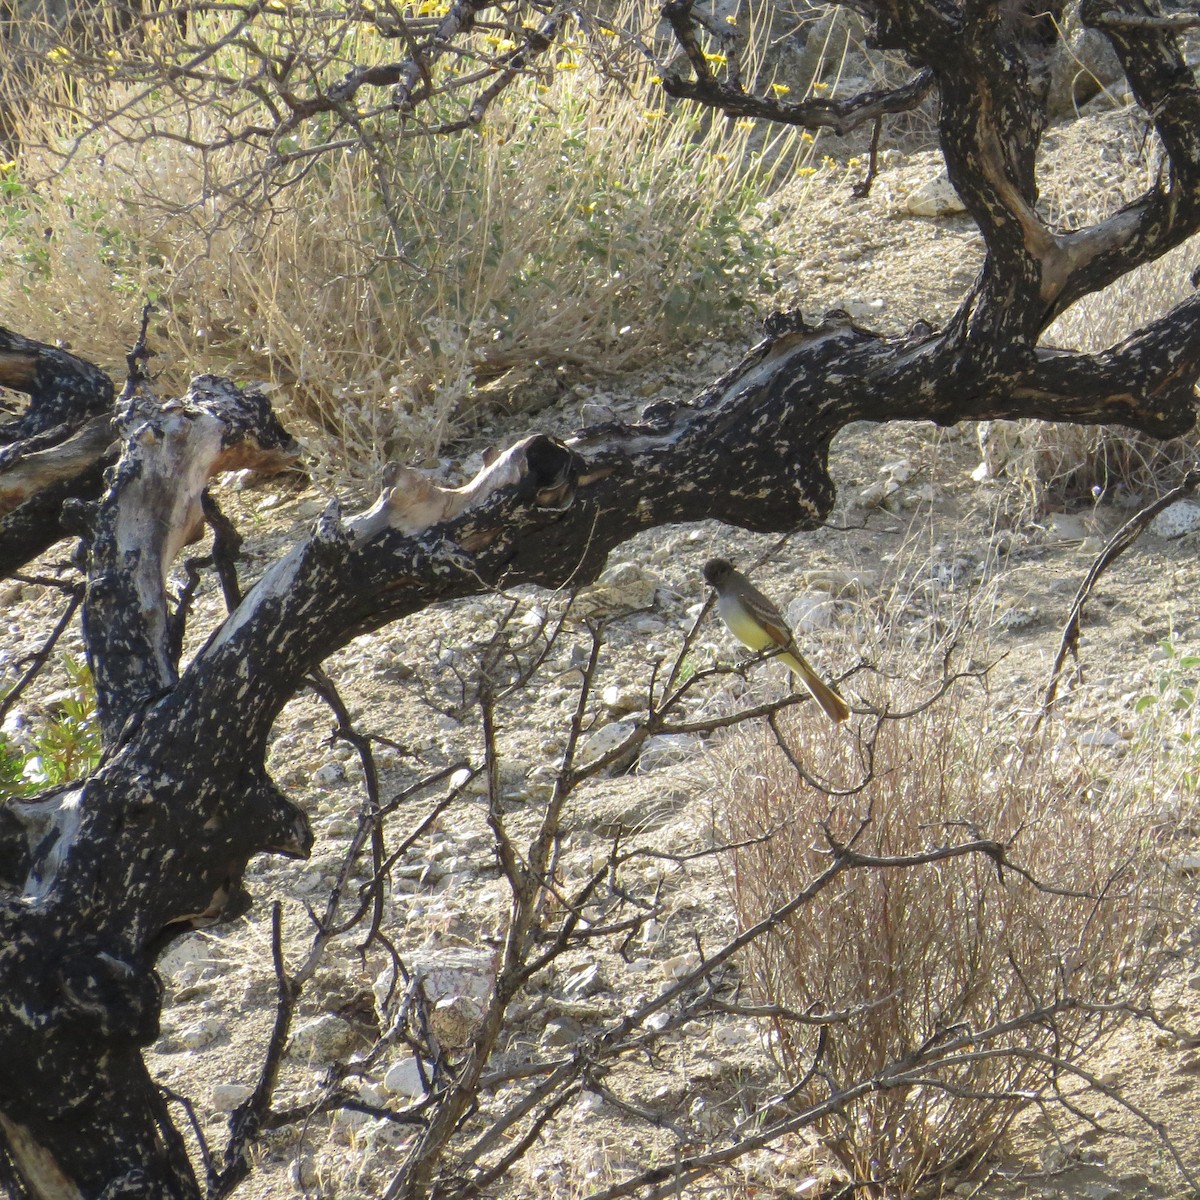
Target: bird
(759,625)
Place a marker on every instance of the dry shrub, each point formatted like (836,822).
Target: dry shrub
(389,293)
(922,953)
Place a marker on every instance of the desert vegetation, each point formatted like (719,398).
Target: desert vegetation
(433,266)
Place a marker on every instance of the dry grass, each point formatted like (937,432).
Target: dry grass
(954,945)
(583,229)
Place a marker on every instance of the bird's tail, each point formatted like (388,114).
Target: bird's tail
(834,706)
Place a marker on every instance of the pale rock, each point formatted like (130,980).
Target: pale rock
(404,1078)
(809,611)
(1067,527)
(1181,517)
(656,1022)
(605,739)
(304,1172)
(1100,737)
(624,697)
(681,965)
(936,197)
(329,776)
(560,1032)
(201,1033)
(737,1033)
(583,981)
(667,749)
(227,1096)
(323,1039)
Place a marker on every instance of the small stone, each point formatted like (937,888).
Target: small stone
(323,1039)
(605,739)
(304,1172)
(1181,517)
(560,1032)
(934,198)
(1099,737)
(584,981)
(656,1022)
(329,775)
(227,1096)
(666,749)
(201,1033)
(404,1078)
(809,611)
(623,697)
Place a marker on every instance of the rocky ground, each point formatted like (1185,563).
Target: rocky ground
(922,542)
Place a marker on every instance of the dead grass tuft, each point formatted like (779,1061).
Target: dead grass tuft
(586,226)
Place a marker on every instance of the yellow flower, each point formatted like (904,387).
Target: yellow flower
(653,114)
(807,171)
(743,125)
(719,59)
(566,64)
(5,167)
(780,89)
(656,79)
(806,136)
(731,19)
(58,54)
(721,157)
(820,87)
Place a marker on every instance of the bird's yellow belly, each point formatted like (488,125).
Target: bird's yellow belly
(747,631)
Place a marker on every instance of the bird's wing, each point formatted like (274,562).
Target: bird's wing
(767,615)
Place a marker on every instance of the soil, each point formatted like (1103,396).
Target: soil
(919,543)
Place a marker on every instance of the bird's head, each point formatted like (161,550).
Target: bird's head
(715,570)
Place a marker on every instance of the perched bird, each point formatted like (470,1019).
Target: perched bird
(758,625)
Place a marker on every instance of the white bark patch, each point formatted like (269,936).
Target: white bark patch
(36,1165)
(34,472)
(54,824)
(414,503)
